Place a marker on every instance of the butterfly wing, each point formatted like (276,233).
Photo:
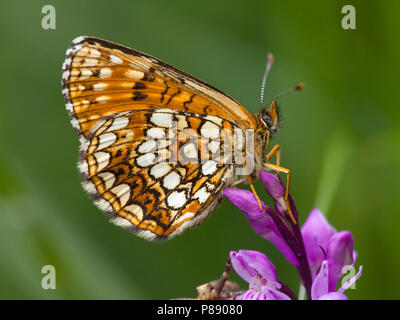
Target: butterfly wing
(137,118)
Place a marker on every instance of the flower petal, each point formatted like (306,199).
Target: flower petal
(272,184)
(273,294)
(320,286)
(267,229)
(316,233)
(339,254)
(350,282)
(261,264)
(281,207)
(333,296)
(252,295)
(260,221)
(241,267)
(246,202)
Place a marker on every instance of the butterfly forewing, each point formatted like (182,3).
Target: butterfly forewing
(151,152)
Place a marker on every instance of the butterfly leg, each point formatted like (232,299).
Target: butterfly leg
(276,149)
(277,168)
(250,180)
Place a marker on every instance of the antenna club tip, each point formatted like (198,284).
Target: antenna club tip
(270,57)
(300,86)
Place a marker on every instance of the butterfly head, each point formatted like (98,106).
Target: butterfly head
(271,118)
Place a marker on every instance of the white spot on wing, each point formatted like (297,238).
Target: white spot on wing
(133,74)
(119,123)
(100,86)
(209,167)
(108,179)
(105,73)
(136,210)
(214,119)
(156,133)
(123,192)
(213,146)
(115,59)
(182,123)
(95,53)
(202,195)
(90,62)
(210,130)
(102,99)
(176,199)
(160,170)
(172,180)
(147,146)
(146,160)
(162,119)
(85,74)
(190,151)
(102,159)
(106,139)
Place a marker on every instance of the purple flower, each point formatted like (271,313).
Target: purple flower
(277,191)
(318,251)
(320,288)
(260,273)
(316,233)
(276,225)
(260,221)
(328,252)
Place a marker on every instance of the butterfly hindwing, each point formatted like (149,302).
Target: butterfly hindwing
(147,174)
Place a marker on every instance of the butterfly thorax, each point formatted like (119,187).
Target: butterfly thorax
(260,146)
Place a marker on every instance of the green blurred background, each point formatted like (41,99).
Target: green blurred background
(340,137)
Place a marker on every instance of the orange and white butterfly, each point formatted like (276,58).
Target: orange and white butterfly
(122,103)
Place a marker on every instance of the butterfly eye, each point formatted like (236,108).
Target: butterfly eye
(267,119)
(272,117)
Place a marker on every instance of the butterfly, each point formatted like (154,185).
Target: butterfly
(138,119)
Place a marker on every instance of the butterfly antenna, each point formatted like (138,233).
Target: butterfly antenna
(270,60)
(284,93)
